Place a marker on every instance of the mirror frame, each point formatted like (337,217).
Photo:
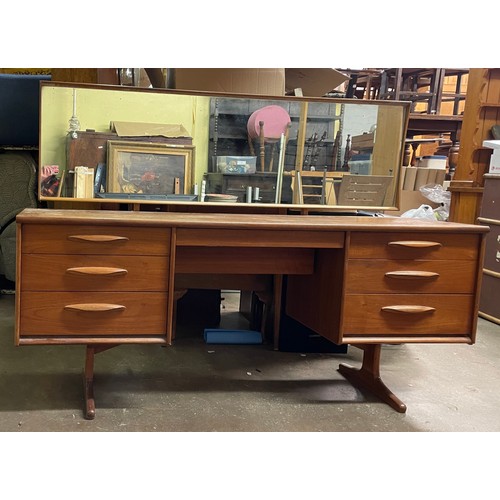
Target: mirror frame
(195,205)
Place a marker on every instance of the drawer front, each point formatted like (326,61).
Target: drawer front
(490,206)
(492,249)
(490,291)
(259,238)
(95,314)
(414,246)
(94,240)
(410,276)
(384,314)
(44,272)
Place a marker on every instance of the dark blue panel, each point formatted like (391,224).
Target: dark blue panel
(19,109)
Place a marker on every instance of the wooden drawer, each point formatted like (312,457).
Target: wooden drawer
(410,276)
(450,315)
(490,292)
(265,238)
(59,313)
(492,248)
(399,246)
(44,272)
(94,240)
(490,206)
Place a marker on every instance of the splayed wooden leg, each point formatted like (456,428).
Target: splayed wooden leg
(88,378)
(368,377)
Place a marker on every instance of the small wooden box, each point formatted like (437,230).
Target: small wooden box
(363,141)
(90,148)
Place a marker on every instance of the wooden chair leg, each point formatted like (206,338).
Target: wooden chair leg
(250,146)
(368,377)
(262,147)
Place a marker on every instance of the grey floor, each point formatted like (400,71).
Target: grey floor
(194,386)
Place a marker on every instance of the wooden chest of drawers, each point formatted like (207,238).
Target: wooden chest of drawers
(410,287)
(93,284)
(489,306)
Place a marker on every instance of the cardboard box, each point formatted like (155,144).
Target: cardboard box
(138,129)
(413,178)
(411,199)
(314,82)
(264,81)
(261,81)
(363,141)
(432,161)
(495,157)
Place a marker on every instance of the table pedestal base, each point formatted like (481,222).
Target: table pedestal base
(368,377)
(88,378)
(365,378)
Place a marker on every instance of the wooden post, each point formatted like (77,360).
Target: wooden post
(301,139)
(262,147)
(481,112)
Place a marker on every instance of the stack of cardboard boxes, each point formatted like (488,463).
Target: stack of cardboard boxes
(428,170)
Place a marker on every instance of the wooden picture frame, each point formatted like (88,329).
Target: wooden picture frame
(149,168)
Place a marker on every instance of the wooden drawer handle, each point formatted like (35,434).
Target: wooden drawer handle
(97,271)
(412,275)
(415,244)
(94,307)
(97,238)
(406,309)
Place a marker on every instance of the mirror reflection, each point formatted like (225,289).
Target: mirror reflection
(156,145)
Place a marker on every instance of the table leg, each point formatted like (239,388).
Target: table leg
(178,294)
(266,297)
(88,378)
(278,292)
(262,153)
(368,376)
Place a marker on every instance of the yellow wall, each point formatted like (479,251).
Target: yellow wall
(96,108)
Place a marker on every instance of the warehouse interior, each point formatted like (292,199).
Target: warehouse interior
(186,393)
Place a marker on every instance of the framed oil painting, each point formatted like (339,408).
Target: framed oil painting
(149,168)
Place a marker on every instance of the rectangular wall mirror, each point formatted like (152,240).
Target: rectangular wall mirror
(327,154)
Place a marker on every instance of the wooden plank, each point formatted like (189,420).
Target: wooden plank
(315,300)
(480,114)
(262,238)
(471,127)
(252,282)
(387,145)
(230,260)
(301,138)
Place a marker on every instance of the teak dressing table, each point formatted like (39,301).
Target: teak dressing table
(114,277)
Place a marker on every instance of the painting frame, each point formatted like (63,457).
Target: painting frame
(149,168)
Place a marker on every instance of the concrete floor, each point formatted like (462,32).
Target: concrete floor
(193,386)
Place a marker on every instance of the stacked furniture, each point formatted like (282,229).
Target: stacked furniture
(489,307)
